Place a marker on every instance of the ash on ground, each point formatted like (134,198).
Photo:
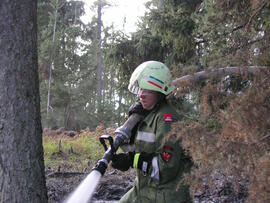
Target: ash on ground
(114,184)
(221,190)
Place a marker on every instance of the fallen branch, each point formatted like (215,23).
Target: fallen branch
(186,81)
(202,75)
(266,136)
(65,173)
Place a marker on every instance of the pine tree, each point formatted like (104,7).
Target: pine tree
(22,175)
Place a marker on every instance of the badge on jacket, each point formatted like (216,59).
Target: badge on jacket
(167,153)
(167,117)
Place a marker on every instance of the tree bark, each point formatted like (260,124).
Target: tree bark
(22,176)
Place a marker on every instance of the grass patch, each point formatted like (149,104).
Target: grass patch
(77,153)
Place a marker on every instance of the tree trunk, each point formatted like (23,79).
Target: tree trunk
(99,62)
(67,113)
(52,63)
(160,3)
(22,177)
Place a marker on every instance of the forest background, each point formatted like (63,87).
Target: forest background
(84,71)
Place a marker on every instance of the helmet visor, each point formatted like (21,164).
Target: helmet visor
(134,87)
(145,92)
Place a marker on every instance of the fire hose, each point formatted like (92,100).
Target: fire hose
(85,190)
(121,137)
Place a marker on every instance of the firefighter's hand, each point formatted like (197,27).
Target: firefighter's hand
(137,108)
(122,161)
(142,161)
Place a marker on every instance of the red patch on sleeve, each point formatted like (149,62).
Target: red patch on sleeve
(167,117)
(167,153)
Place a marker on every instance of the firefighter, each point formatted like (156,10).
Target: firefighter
(160,163)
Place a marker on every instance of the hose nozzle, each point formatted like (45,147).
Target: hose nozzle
(101,166)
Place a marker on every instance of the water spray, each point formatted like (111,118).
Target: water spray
(84,192)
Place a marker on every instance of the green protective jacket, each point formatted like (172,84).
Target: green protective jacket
(169,164)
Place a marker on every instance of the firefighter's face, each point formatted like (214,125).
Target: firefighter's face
(148,98)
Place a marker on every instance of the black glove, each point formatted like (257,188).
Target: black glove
(142,161)
(122,161)
(137,108)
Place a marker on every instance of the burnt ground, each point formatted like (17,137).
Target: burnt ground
(114,184)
